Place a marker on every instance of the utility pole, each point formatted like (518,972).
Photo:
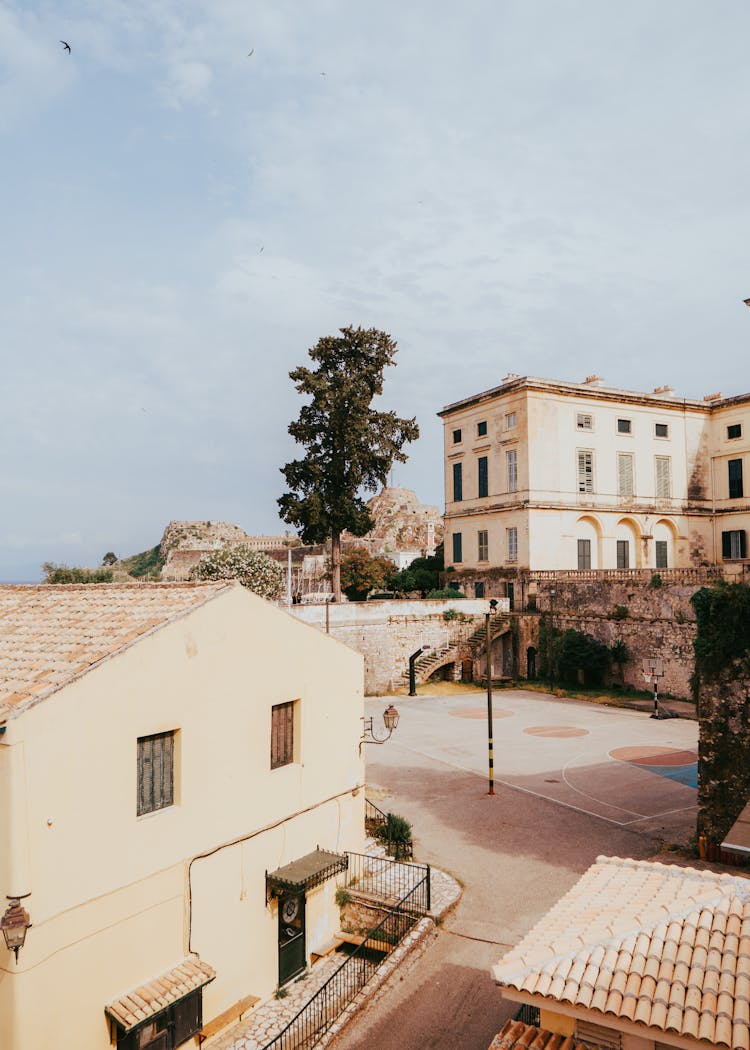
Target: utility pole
(490,745)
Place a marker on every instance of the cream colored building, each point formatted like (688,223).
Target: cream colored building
(547,475)
(638,956)
(166,753)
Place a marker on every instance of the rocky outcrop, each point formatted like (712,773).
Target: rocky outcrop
(402,523)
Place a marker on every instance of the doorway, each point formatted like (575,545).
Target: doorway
(292,951)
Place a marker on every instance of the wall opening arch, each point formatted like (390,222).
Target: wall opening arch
(665,544)
(588,552)
(628,547)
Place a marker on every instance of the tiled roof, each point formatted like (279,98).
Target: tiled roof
(156,995)
(515,1035)
(51,634)
(656,944)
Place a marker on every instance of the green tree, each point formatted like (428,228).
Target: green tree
(254,569)
(74,574)
(109,558)
(422,575)
(361,572)
(350,447)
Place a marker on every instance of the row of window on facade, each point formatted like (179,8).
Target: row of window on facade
(585,421)
(585,475)
(483,545)
(156,759)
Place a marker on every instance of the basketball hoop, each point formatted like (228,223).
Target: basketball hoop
(653,670)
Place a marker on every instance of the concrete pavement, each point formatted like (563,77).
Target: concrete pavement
(560,801)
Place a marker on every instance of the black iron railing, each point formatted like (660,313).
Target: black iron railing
(528,1014)
(316,1017)
(380,826)
(389,882)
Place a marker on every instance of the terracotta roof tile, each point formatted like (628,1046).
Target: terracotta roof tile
(667,947)
(515,1035)
(51,634)
(149,998)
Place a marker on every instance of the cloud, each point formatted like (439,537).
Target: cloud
(187,82)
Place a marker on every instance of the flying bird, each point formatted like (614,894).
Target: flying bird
(746,302)
(251,53)
(324,74)
(66,45)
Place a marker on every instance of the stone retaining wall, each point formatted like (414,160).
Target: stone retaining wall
(724,750)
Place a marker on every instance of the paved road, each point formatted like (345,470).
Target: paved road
(560,801)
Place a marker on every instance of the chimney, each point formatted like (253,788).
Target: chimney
(664,391)
(713,397)
(593,380)
(510,377)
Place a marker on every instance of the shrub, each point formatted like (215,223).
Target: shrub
(620,612)
(74,574)
(254,570)
(656,581)
(446,592)
(580,652)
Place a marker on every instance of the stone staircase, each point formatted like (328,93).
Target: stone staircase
(435,658)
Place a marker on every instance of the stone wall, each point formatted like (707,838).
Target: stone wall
(724,750)
(388,632)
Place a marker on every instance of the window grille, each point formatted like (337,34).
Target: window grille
(584,422)
(661,430)
(482,429)
(734,431)
(624,426)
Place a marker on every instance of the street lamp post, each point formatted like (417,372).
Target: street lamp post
(551,647)
(490,743)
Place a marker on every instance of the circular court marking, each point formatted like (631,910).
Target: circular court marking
(558,732)
(477,712)
(654,756)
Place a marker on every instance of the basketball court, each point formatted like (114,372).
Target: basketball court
(618,765)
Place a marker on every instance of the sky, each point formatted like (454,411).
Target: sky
(198,192)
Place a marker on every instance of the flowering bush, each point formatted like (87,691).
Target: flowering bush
(254,569)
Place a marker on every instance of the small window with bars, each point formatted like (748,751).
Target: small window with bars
(456,437)
(482,429)
(584,421)
(624,426)
(155,772)
(282,734)
(483,545)
(585,471)
(663,466)
(661,430)
(734,430)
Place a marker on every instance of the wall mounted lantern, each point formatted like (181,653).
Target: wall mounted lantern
(390,721)
(15,923)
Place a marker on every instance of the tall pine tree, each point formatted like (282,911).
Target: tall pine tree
(350,447)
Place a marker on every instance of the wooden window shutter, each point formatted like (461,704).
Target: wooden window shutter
(458,486)
(624,474)
(743,550)
(663,477)
(726,544)
(483,479)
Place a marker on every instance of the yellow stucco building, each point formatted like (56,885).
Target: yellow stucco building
(547,475)
(179,779)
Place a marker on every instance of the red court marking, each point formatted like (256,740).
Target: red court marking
(559,732)
(477,712)
(654,756)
